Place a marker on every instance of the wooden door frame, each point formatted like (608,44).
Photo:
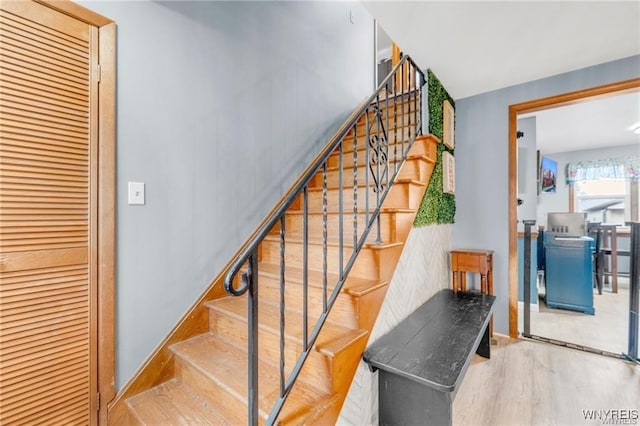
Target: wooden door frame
(564,99)
(105,198)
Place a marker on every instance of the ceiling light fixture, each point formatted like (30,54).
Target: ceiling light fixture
(635,128)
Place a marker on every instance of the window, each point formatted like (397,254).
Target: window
(603,200)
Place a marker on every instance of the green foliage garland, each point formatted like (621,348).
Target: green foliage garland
(436,206)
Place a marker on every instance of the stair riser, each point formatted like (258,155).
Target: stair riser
(333,176)
(234,331)
(402,196)
(366,266)
(420,147)
(294,229)
(416,169)
(344,312)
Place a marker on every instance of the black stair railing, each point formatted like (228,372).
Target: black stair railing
(385,150)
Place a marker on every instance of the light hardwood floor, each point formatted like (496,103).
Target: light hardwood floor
(533,383)
(606,330)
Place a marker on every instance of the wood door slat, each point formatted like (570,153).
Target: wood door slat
(29,26)
(39,47)
(30,146)
(45,87)
(16,55)
(40,115)
(69,172)
(46,375)
(46,19)
(41,196)
(36,100)
(24,72)
(37,121)
(10,262)
(40,106)
(27,333)
(31,410)
(27,156)
(8,231)
(15,88)
(49,133)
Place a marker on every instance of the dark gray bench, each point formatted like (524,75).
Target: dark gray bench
(423,359)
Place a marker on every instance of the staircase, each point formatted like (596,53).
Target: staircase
(308,292)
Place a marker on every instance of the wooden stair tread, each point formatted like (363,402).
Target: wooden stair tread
(172,403)
(354,285)
(350,187)
(347,246)
(269,319)
(331,211)
(227,365)
(348,165)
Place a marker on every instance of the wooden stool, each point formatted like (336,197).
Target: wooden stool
(477,261)
(469,260)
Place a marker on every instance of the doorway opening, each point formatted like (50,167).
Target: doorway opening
(559,200)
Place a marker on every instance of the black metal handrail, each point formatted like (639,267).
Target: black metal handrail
(378,163)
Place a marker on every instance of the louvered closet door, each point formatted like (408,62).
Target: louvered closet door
(47,216)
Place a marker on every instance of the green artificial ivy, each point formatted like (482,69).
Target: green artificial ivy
(436,206)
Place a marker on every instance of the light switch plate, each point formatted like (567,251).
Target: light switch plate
(136,193)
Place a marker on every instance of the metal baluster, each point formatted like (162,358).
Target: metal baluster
(385,133)
(252,323)
(355,187)
(421,106)
(395,133)
(378,181)
(340,211)
(409,101)
(415,106)
(305,268)
(282,307)
(366,166)
(402,100)
(324,237)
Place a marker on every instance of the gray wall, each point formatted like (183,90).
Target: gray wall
(482,123)
(559,201)
(220,106)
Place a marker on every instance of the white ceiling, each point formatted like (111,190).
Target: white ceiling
(479,46)
(588,125)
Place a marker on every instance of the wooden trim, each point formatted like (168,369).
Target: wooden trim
(572,198)
(590,94)
(76,11)
(106,214)
(513,224)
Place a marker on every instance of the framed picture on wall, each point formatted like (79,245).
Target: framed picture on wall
(448,124)
(448,173)
(548,175)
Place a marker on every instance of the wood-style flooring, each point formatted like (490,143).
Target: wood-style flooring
(534,383)
(607,330)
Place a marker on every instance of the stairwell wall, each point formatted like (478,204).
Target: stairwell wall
(220,106)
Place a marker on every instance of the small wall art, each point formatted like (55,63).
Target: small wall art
(448,127)
(448,173)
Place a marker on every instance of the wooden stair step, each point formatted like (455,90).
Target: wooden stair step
(347,309)
(414,168)
(353,285)
(269,318)
(218,370)
(389,222)
(172,403)
(367,265)
(405,193)
(423,145)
